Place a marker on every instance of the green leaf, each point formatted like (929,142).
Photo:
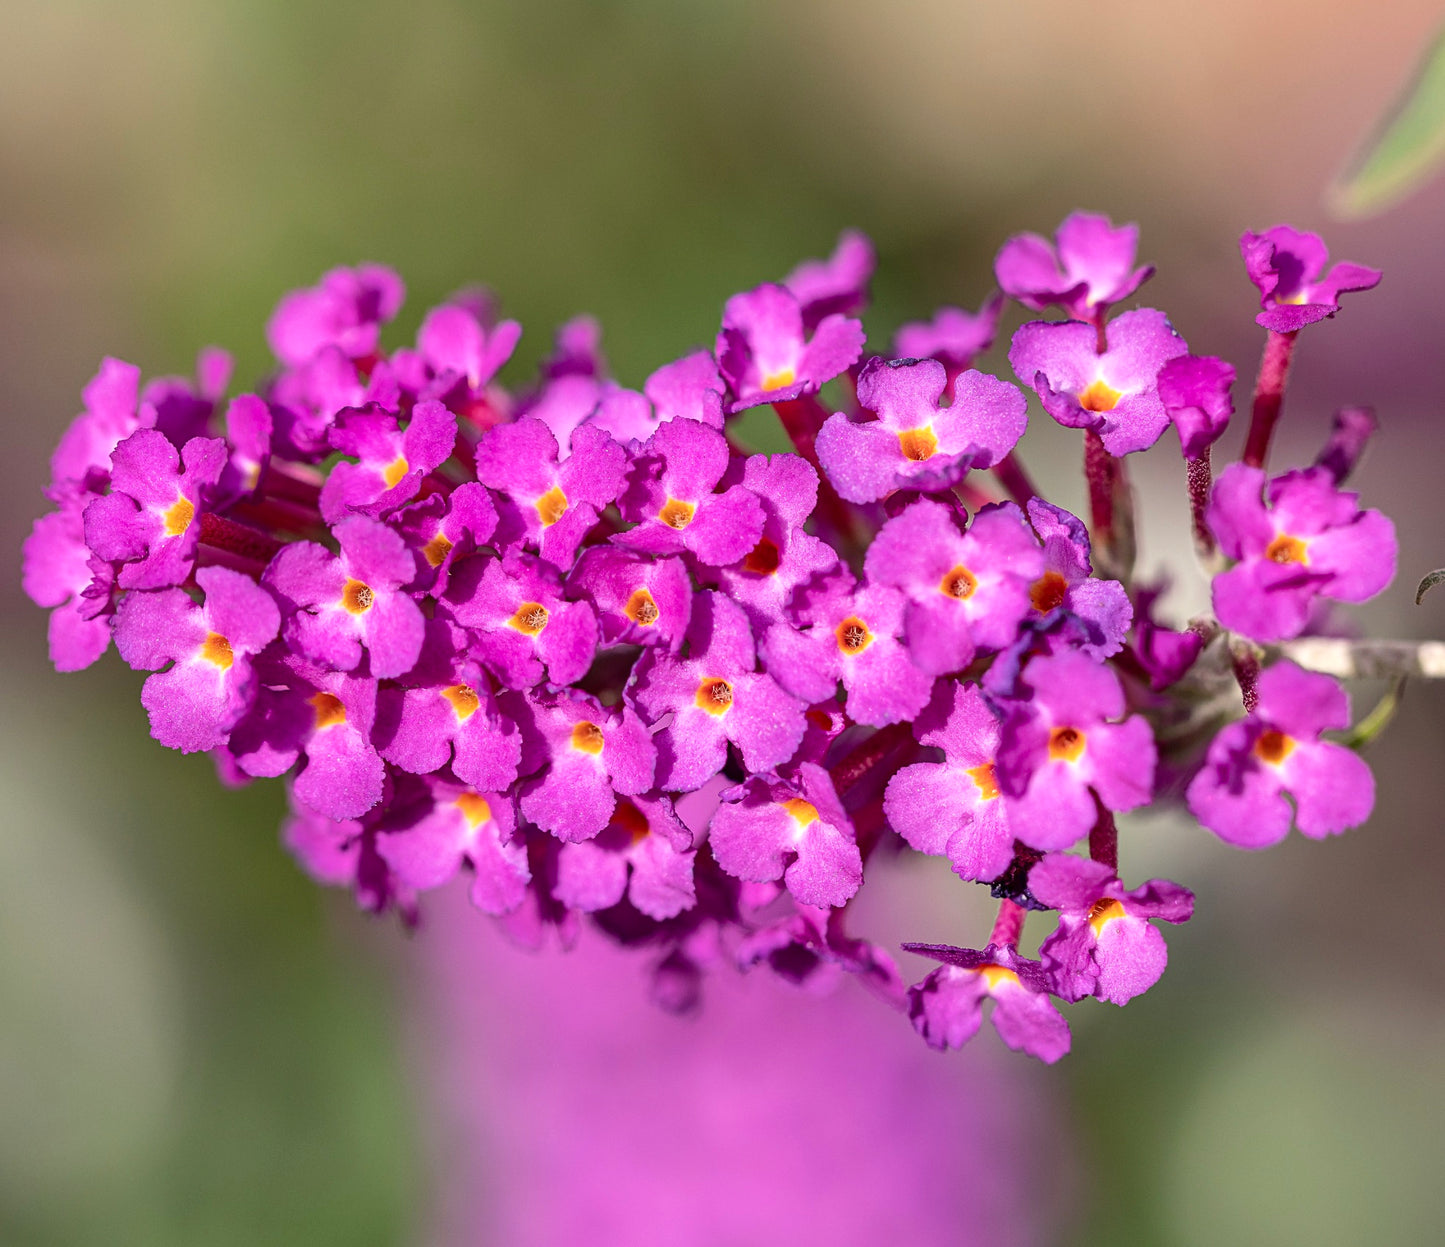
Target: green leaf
(1404,152)
(1434,578)
(1378,719)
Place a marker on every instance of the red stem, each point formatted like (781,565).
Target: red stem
(1014,479)
(802,418)
(867,754)
(1100,470)
(240,540)
(1201,480)
(1104,838)
(1246,672)
(1008,926)
(1268,395)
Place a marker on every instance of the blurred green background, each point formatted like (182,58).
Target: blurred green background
(196,1045)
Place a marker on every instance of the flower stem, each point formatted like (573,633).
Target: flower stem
(1244,657)
(854,765)
(1111,510)
(1008,926)
(1014,479)
(1201,480)
(1268,395)
(240,540)
(1104,838)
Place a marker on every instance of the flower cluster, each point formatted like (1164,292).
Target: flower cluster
(572,641)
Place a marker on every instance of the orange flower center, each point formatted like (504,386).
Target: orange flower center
(984,780)
(464,700)
(551,506)
(632,820)
(1273,747)
(960,583)
(918,444)
(329,710)
(853,636)
(1100,396)
(1103,913)
(715,696)
(436,550)
(531,618)
(1066,744)
(1048,592)
(216,650)
(676,514)
(357,597)
(1287,549)
(396,471)
(178,516)
(587,737)
(474,809)
(641,608)
(802,812)
(763,559)
(994,975)
(780,378)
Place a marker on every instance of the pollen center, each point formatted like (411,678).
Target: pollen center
(714,695)
(763,559)
(960,583)
(436,550)
(777,380)
(1103,913)
(551,506)
(474,809)
(178,516)
(1048,592)
(1287,549)
(918,444)
(357,597)
(984,781)
(641,607)
(853,635)
(677,514)
(329,710)
(216,650)
(1066,744)
(1100,396)
(1273,747)
(632,820)
(802,812)
(531,618)
(464,700)
(994,975)
(395,471)
(587,737)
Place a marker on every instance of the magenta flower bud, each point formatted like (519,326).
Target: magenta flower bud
(1113,392)
(947,1007)
(1288,267)
(954,337)
(915,443)
(837,285)
(346,310)
(765,354)
(954,808)
(1295,538)
(459,348)
(796,832)
(58,571)
(1252,766)
(209,682)
(1091,266)
(113,412)
(1104,944)
(1195,392)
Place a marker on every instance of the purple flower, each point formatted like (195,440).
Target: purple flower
(786,557)
(209,684)
(183,407)
(853,635)
(967,590)
(690,388)
(1298,539)
(391,463)
(765,355)
(461,827)
(1101,607)
(325,717)
(714,696)
(338,604)
(60,572)
(522,623)
(460,348)
(1104,945)
(343,853)
(671,500)
(796,832)
(442,529)
(954,337)
(448,716)
(1195,392)
(249,429)
(838,284)
(954,807)
(112,413)
(638,600)
(1254,765)
(587,756)
(1164,654)
(915,443)
(306,400)
(947,1007)
(1060,749)
(644,853)
(345,310)
(1288,267)
(150,519)
(546,505)
(1092,266)
(1113,392)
